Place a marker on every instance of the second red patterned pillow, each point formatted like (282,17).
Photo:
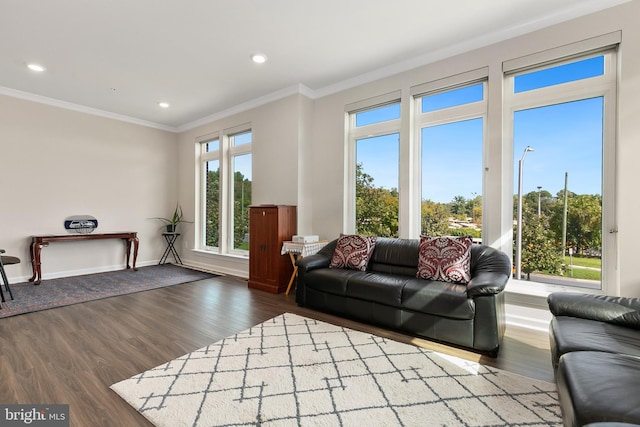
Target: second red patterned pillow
(446,259)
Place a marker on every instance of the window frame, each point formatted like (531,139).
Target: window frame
(225,155)
(458,113)
(353,134)
(604,86)
(233,152)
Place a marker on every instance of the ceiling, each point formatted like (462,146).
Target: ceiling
(120,58)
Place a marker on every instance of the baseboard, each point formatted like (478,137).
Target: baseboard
(527,317)
(216,269)
(79,272)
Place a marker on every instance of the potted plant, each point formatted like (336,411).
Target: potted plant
(176,218)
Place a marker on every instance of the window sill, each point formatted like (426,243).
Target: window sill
(534,294)
(219,255)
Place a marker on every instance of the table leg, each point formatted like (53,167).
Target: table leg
(295,270)
(174,252)
(165,254)
(127,243)
(36,264)
(135,242)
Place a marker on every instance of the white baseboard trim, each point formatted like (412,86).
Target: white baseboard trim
(80,272)
(217,270)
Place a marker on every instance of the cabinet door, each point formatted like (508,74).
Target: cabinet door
(263,239)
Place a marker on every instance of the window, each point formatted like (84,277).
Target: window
(226,192)
(450,124)
(374,141)
(240,190)
(561,118)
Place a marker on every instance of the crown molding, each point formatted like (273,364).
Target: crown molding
(298,89)
(584,8)
(82,109)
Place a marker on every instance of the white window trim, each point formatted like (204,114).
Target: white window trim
(353,134)
(225,156)
(458,113)
(205,156)
(233,151)
(600,86)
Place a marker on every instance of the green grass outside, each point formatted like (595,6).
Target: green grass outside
(581,273)
(584,261)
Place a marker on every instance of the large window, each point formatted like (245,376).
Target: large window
(562,117)
(374,141)
(226,192)
(450,125)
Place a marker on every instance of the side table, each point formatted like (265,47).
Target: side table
(171,249)
(298,250)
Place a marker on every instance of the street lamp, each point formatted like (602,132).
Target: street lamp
(519,229)
(539,188)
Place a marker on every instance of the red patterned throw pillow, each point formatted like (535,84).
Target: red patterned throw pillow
(445,258)
(353,251)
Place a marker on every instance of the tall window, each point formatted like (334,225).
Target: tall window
(226,192)
(240,190)
(211,205)
(562,116)
(450,125)
(374,141)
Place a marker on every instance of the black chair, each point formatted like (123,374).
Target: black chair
(6,260)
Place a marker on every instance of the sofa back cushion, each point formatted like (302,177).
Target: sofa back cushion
(395,256)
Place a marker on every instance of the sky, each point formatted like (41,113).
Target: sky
(565,137)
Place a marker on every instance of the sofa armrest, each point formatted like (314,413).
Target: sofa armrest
(321,259)
(621,311)
(313,262)
(487,283)
(490,270)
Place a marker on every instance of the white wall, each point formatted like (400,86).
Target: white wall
(275,167)
(55,163)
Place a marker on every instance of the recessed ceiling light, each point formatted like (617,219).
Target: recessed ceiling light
(259,58)
(36,67)
(163,104)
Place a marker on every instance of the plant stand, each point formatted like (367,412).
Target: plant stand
(171,249)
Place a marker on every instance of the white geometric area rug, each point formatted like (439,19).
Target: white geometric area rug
(292,370)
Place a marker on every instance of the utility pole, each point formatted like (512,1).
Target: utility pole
(564,214)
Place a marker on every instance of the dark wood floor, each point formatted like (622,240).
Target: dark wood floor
(73,354)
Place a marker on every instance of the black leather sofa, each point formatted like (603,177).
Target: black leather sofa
(595,351)
(388,294)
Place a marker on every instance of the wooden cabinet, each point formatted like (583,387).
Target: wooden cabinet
(269,226)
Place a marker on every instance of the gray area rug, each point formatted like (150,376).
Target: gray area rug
(52,293)
(292,370)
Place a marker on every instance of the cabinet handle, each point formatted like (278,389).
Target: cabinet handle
(263,213)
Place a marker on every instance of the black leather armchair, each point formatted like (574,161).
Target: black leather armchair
(595,351)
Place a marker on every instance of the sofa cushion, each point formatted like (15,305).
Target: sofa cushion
(445,258)
(329,280)
(378,287)
(573,334)
(438,298)
(353,251)
(595,386)
(395,256)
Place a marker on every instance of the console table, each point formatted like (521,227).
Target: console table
(37,242)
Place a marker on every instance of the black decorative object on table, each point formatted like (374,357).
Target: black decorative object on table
(171,249)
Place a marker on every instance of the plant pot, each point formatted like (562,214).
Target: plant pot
(171,228)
